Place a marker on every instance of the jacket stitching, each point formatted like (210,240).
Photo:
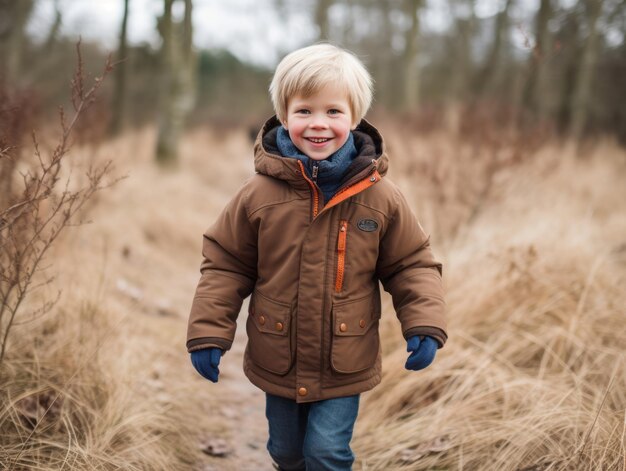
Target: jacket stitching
(373,209)
(414,275)
(214,297)
(217,272)
(273,203)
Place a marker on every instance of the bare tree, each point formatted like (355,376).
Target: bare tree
(119,94)
(491,75)
(584,75)
(322,18)
(410,56)
(458,81)
(382,63)
(178,62)
(30,225)
(538,94)
(54,29)
(13,18)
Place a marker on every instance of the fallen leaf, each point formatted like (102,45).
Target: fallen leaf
(42,405)
(215,447)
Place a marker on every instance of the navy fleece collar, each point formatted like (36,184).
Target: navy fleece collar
(330,171)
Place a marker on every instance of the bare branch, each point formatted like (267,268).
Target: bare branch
(30,225)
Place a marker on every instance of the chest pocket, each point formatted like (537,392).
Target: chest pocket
(269,334)
(355,337)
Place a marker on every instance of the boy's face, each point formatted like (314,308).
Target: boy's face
(319,124)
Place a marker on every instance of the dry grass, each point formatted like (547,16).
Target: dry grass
(532,377)
(104,382)
(87,395)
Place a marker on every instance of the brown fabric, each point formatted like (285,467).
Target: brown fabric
(207,342)
(438,334)
(302,331)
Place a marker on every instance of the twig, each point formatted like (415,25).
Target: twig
(28,229)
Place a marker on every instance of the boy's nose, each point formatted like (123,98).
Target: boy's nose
(319,123)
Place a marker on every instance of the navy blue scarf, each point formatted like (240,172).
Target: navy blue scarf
(330,170)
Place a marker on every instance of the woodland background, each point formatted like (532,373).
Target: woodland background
(505,123)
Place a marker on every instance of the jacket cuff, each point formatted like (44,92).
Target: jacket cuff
(208,342)
(439,335)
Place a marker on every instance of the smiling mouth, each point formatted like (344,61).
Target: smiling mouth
(318,140)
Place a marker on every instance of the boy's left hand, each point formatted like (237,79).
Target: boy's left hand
(422,352)
(206,362)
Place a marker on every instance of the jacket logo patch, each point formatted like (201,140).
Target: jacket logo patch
(367,225)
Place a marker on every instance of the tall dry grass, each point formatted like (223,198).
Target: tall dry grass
(533,376)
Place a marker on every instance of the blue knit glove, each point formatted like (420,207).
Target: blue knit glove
(422,352)
(206,362)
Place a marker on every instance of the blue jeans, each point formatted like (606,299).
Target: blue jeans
(312,436)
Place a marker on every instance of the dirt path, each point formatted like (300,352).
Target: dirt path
(242,410)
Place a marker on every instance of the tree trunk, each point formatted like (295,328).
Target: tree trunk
(178,81)
(167,140)
(321,18)
(54,29)
(461,60)
(409,62)
(16,14)
(539,98)
(189,64)
(584,76)
(491,75)
(119,94)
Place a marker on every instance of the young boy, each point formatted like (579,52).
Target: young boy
(310,236)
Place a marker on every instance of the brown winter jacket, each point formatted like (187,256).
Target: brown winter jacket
(313,269)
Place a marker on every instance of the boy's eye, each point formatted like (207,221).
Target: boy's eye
(303,111)
(334,111)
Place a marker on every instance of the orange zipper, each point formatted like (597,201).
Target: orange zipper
(351,190)
(316,198)
(341,254)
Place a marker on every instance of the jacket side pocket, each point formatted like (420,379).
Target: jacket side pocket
(356,341)
(268,328)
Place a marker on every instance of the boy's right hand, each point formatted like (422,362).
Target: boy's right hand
(206,362)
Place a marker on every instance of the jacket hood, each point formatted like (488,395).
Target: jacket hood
(269,161)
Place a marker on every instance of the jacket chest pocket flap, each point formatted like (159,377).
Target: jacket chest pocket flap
(356,341)
(268,328)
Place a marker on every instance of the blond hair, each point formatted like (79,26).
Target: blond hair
(306,71)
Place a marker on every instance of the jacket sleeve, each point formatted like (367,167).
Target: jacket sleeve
(228,276)
(409,272)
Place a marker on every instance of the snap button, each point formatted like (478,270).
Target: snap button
(279,326)
(343,327)
(373,179)
(362,323)
(302,391)
(262,320)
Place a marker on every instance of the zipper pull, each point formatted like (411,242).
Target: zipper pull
(314,172)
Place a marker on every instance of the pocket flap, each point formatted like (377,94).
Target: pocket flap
(270,317)
(356,317)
